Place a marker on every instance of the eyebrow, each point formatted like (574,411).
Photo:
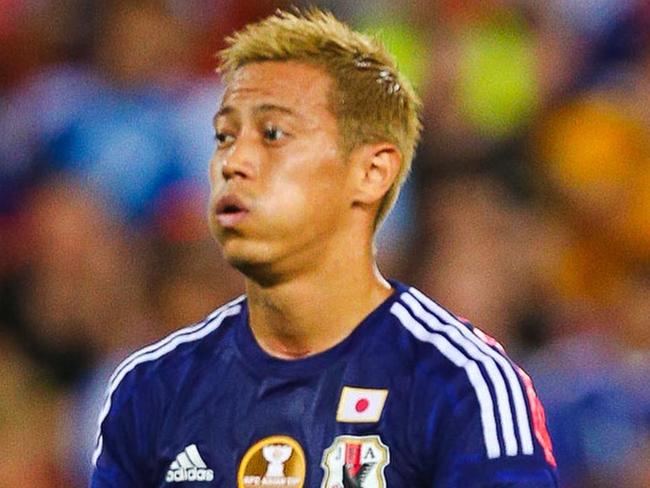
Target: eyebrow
(269,107)
(264,108)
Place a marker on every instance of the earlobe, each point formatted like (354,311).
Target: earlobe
(378,166)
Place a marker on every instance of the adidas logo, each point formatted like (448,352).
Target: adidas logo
(189,466)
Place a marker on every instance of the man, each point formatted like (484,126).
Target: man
(325,374)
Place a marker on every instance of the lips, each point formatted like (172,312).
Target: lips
(230,210)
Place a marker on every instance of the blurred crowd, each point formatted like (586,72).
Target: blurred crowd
(528,209)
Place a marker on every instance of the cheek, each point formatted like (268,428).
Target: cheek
(289,198)
(214,170)
(311,196)
(305,182)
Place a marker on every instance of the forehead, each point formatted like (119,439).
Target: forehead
(298,86)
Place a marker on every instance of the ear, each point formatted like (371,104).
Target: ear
(375,168)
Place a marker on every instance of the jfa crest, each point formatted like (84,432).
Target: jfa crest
(355,462)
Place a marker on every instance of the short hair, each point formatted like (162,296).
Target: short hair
(371,100)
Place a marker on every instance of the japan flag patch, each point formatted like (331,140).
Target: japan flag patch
(361,405)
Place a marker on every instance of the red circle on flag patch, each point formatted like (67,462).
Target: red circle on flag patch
(362,405)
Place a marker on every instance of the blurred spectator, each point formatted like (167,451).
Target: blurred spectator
(78,264)
(478,253)
(189,280)
(124,140)
(595,152)
(29,447)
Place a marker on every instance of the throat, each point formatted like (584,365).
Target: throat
(283,350)
(296,320)
(283,333)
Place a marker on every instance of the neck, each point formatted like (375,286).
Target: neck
(311,311)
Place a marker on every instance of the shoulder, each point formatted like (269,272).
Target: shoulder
(178,346)
(442,335)
(170,353)
(481,385)
(136,374)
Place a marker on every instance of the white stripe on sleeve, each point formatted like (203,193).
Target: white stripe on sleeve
(521,410)
(488,420)
(494,375)
(163,347)
(156,345)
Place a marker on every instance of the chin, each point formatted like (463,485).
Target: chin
(254,261)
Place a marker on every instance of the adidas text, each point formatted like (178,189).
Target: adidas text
(189,474)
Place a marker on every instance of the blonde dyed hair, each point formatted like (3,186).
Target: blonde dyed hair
(372,101)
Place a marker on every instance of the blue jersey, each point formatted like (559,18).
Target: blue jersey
(412,398)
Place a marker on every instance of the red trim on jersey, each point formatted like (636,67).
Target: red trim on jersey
(539,419)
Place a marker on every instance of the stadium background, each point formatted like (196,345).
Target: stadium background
(528,210)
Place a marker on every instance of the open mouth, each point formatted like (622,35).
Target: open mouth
(230,211)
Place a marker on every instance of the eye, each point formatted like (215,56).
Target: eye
(273,133)
(223,139)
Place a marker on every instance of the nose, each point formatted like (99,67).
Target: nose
(239,160)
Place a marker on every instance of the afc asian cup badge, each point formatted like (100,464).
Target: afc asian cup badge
(355,462)
(274,462)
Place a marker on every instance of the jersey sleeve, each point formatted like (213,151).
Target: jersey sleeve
(125,432)
(494,437)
